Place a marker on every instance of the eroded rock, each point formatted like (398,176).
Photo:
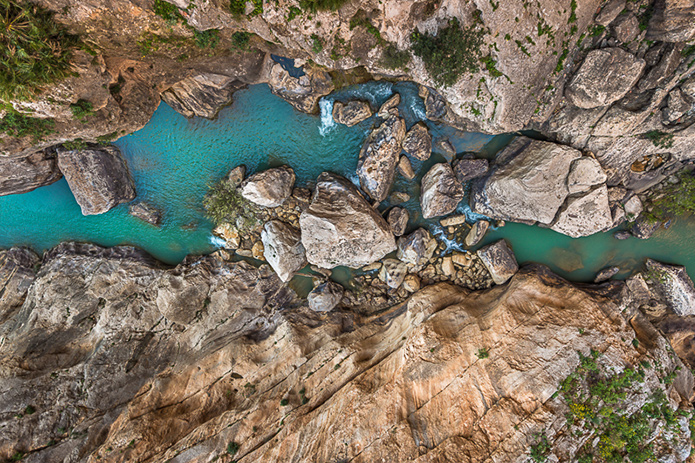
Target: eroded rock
(585,173)
(398,220)
(376,167)
(283,249)
(468,168)
(26,173)
(673,284)
(325,297)
(352,113)
(499,260)
(340,227)
(269,188)
(477,232)
(146,212)
(301,92)
(440,191)
(202,95)
(416,248)
(418,142)
(585,215)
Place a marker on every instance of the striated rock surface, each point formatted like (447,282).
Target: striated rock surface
(301,92)
(527,183)
(283,249)
(98,178)
(340,227)
(379,156)
(440,191)
(26,173)
(585,215)
(398,220)
(476,233)
(202,95)
(615,68)
(122,360)
(418,142)
(585,173)
(269,188)
(325,297)
(352,113)
(674,285)
(17,272)
(468,168)
(499,261)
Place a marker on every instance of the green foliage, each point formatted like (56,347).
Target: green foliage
(687,51)
(451,53)
(321,5)
(106,139)
(35,51)
(490,66)
(660,139)
(82,110)
(674,200)
(293,12)
(645,17)
(237,7)
(393,58)
(240,40)
(596,30)
(540,450)
(207,39)
(561,61)
(482,353)
(317,44)
(224,203)
(167,11)
(75,145)
(284,402)
(232,448)
(360,19)
(573,12)
(17,456)
(19,125)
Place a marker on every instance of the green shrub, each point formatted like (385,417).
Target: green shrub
(19,125)
(674,200)
(232,448)
(320,5)
(284,402)
(393,58)
(75,145)
(167,11)
(240,40)
(660,139)
(540,450)
(293,12)
(482,353)
(82,110)
(34,50)
(451,53)
(317,44)
(207,39)
(224,204)
(490,65)
(238,7)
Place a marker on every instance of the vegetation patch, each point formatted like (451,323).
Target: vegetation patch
(207,39)
(19,125)
(35,51)
(224,204)
(674,200)
(393,58)
(316,43)
(232,448)
(490,65)
(238,7)
(293,12)
(451,53)
(82,110)
(321,5)
(241,39)
(167,11)
(660,139)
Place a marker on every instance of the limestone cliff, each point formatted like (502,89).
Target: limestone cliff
(107,356)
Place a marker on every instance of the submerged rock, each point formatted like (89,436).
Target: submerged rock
(440,191)
(376,167)
(398,220)
(527,184)
(283,249)
(269,188)
(616,70)
(418,142)
(202,95)
(673,284)
(644,227)
(340,227)
(146,212)
(416,248)
(476,233)
(468,168)
(26,173)
(98,178)
(445,148)
(585,215)
(499,260)
(325,297)
(352,113)
(606,274)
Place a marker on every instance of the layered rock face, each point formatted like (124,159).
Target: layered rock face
(26,173)
(113,358)
(202,95)
(98,178)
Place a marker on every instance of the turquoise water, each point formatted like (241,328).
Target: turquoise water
(173,161)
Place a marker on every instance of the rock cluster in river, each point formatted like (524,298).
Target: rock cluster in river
(376,167)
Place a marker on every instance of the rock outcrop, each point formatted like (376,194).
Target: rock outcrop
(26,173)
(146,212)
(585,215)
(269,188)
(416,248)
(418,142)
(499,261)
(674,285)
(17,272)
(440,191)
(98,178)
(379,156)
(283,249)
(351,113)
(468,168)
(202,95)
(340,227)
(301,92)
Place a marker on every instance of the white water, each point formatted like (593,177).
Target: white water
(217,241)
(327,122)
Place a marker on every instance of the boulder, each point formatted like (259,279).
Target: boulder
(411,283)
(26,173)
(469,168)
(585,215)
(499,260)
(609,12)
(146,212)
(302,92)
(527,183)
(352,113)
(399,197)
(644,228)
(441,191)
(202,95)
(325,297)
(98,178)
(398,220)
(605,76)
(418,142)
(435,104)
(622,235)
(672,21)
(633,208)
(236,176)
(392,103)
(625,28)
(585,173)
(444,147)
(677,106)
(283,249)
(453,220)
(269,188)
(669,58)
(229,233)
(405,168)
(477,232)
(393,273)
(606,274)
(416,248)
(340,227)
(376,166)
(673,284)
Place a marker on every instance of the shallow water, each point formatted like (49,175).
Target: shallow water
(173,161)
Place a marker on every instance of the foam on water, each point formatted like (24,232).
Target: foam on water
(217,242)
(327,122)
